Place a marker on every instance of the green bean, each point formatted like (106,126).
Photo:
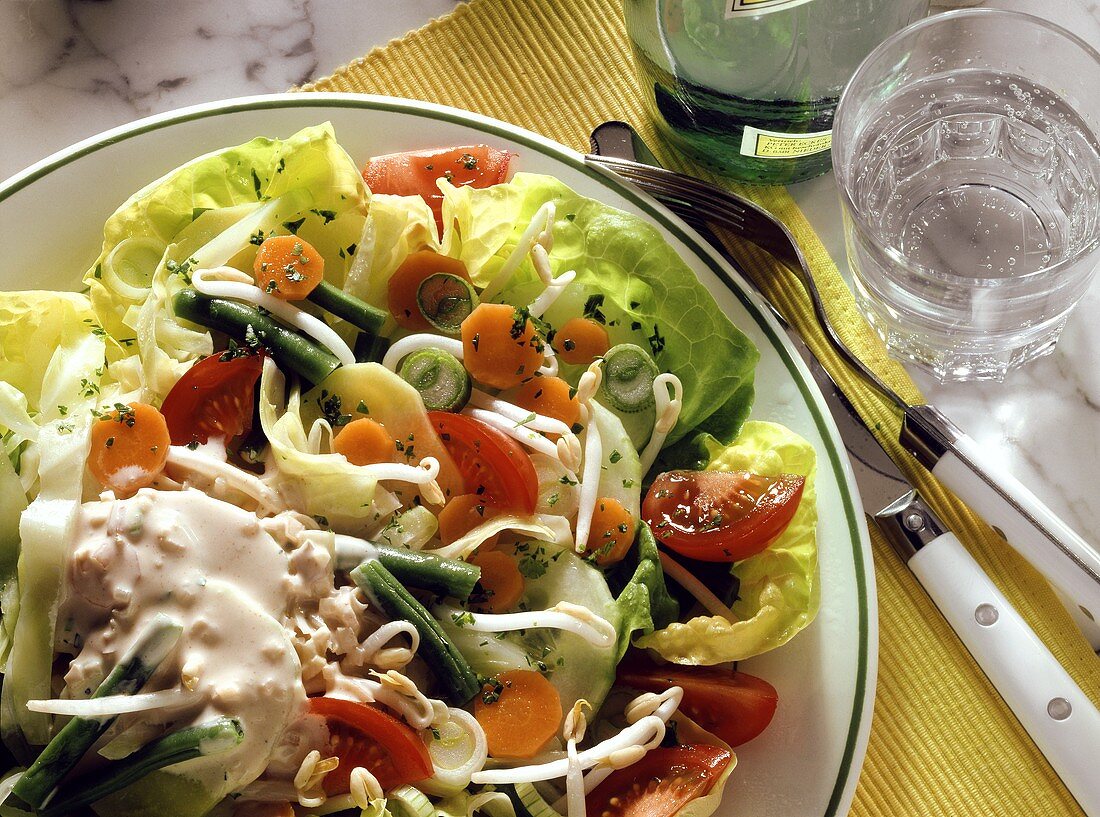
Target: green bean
(211,738)
(247,324)
(343,305)
(439,376)
(77,736)
(458,680)
(448,577)
(370,348)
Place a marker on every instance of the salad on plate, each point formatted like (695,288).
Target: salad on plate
(425,488)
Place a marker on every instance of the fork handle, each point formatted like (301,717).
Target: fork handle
(1031,528)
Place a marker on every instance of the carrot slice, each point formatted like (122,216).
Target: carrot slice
(462,514)
(580,341)
(288,267)
(549,396)
(520,712)
(364,442)
(406,280)
(129,447)
(500,346)
(500,580)
(612,531)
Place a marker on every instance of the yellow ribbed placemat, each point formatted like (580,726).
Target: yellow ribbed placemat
(942,743)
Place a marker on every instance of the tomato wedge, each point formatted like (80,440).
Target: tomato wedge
(492,464)
(720,516)
(660,784)
(362,735)
(213,398)
(415,173)
(734,706)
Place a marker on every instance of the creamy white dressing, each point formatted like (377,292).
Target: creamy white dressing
(232,580)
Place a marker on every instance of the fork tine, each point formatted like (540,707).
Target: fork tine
(659,178)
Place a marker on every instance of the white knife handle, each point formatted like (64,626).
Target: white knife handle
(1036,532)
(1069,563)
(1053,710)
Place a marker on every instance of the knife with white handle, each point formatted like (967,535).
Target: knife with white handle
(1054,711)
(1035,531)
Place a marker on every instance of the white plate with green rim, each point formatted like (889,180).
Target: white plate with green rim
(807,763)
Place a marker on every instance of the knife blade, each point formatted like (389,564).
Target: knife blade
(1052,709)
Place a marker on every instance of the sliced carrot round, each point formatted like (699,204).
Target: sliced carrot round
(501,582)
(500,346)
(549,396)
(129,447)
(520,712)
(364,442)
(401,292)
(580,341)
(288,267)
(612,531)
(462,514)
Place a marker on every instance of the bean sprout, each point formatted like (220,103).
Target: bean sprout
(539,231)
(239,480)
(564,615)
(531,439)
(227,282)
(668,412)
(590,484)
(702,594)
(573,732)
(517,414)
(551,294)
(364,788)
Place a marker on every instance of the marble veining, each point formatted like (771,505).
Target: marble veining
(71,68)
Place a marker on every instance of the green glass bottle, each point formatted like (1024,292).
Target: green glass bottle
(749,87)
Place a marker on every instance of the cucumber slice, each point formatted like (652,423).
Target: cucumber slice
(627,390)
(405,801)
(446,301)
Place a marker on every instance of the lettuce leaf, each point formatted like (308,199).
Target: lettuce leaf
(628,277)
(644,601)
(779,591)
(214,210)
(32,326)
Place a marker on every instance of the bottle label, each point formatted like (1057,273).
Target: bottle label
(767,144)
(738,7)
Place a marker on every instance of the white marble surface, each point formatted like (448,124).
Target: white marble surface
(71,68)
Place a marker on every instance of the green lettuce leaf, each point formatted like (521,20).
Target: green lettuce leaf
(644,601)
(779,591)
(628,277)
(215,210)
(33,325)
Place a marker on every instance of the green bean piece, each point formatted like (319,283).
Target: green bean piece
(448,577)
(441,379)
(211,738)
(445,301)
(77,736)
(254,328)
(370,348)
(354,310)
(457,678)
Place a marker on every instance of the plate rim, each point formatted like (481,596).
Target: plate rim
(859,727)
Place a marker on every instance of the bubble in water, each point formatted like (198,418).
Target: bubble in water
(1012,262)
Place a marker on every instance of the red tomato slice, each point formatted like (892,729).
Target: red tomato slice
(720,516)
(660,784)
(362,735)
(415,173)
(212,399)
(734,706)
(492,464)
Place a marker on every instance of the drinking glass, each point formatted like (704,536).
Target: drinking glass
(967,156)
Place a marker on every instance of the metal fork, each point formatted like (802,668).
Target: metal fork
(953,457)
